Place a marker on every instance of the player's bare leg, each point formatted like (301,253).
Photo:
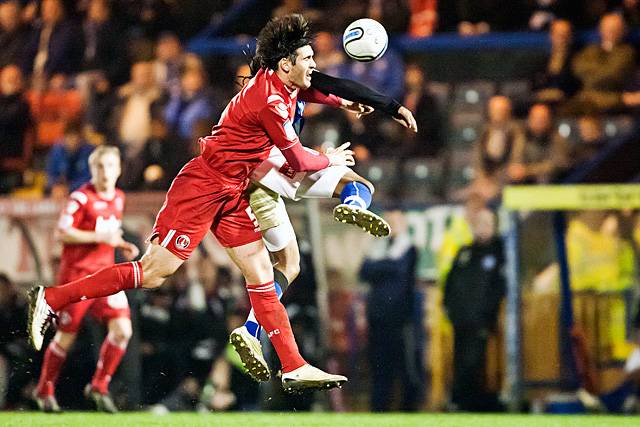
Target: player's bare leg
(156,265)
(355,194)
(253,260)
(54,358)
(111,352)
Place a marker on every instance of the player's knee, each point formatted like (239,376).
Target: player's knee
(64,340)
(156,268)
(120,332)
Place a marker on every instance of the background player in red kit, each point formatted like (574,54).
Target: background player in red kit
(90,229)
(208,193)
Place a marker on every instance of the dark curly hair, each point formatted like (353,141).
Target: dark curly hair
(280,38)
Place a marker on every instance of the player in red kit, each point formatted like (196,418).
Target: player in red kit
(90,229)
(209,194)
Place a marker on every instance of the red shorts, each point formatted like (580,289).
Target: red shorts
(202,199)
(103,309)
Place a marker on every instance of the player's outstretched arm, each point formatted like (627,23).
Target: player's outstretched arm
(357,92)
(72,235)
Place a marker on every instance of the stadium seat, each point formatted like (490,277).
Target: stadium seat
(465,128)
(618,126)
(473,96)
(441,91)
(383,173)
(519,91)
(423,180)
(460,171)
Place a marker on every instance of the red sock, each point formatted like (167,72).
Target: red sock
(54,358)
(110,356)
(104,282)
(271,314)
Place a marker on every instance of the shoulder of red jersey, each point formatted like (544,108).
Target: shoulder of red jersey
(82,195)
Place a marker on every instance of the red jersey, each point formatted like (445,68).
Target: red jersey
(258,117)
(86,210)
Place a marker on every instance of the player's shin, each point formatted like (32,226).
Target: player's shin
(111,354)
(106,281)
(281,284)
(54,358)
(356,194)
(271,314)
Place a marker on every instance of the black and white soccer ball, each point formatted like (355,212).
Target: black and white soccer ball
(365,40)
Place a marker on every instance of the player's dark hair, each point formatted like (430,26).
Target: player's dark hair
(280,38)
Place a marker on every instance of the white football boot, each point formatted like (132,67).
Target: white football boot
(308,377)
(40,316)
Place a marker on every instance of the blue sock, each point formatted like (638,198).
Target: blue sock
(356,194)
(252,323)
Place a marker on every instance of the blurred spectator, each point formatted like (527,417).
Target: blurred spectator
(394,15)
(100,104)
(545,12)
(557,82)
(175,337)
(162,157)
(473,17)
(630,11)
(52,108)
(591,140)
(429,138)
(168,62)
(149,18)
(13,34)
(132,116)
(68,162)
(545,151)
(424,18)
(500,143)
(192,102)
(15,352)
(385,75)
(474,289)
(391,271)
(103,46)
(54,46)
(328,58)
(604,69)
(15,123)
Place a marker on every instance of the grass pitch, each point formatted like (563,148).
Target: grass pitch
(258,419)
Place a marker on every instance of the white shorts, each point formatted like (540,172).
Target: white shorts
(276,175)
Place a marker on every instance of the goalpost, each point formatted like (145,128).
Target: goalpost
(559,200)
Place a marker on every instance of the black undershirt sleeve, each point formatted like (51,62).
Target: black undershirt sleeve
(353,91)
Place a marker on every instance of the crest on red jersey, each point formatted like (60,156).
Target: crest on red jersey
(183,241)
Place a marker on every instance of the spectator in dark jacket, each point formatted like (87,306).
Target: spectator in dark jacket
(55,46)
(68,162)
(474,289)
(417,98)
(392,330)
(13,34)
(15,121)
(557,82)
(15,353)
(191,103)
(103,44)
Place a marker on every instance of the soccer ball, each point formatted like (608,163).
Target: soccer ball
(365,40)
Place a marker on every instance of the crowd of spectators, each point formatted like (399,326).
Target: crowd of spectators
(77,74)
